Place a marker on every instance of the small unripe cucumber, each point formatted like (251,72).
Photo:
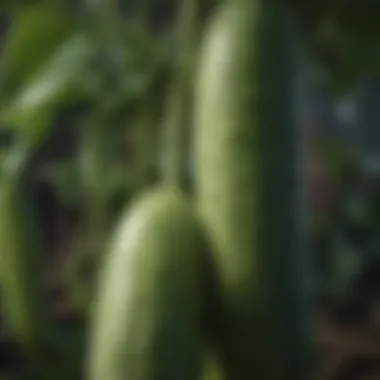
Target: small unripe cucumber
(148,312)
(22,278)
(249,187)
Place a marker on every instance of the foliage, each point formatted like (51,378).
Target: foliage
(97,99)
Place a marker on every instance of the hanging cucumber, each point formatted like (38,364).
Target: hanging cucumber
(249,187)
(22,278)
(147,317)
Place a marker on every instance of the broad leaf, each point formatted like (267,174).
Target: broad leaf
(34,34)
(60,80)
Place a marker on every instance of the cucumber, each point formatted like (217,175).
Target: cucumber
(22,279)
(250,189)
(147,317)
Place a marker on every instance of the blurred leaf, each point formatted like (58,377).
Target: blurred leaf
(147,52)
(65,178)
(12,7)
(60,80)
(128,69)
(35,33)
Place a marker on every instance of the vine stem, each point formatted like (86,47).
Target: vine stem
(178,119)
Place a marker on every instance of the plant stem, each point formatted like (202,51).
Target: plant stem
(178,118)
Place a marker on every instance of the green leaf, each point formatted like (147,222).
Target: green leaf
(59,81)
(35,33)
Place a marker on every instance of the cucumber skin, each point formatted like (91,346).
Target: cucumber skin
(22,276)
(147,320)
(248,181)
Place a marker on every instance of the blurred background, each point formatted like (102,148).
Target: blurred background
(82,85)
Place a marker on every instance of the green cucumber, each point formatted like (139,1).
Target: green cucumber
(249,187)
(22,279)
(147,316)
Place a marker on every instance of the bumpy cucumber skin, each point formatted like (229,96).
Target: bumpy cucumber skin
(22,278)
(248,181)
(148,315)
